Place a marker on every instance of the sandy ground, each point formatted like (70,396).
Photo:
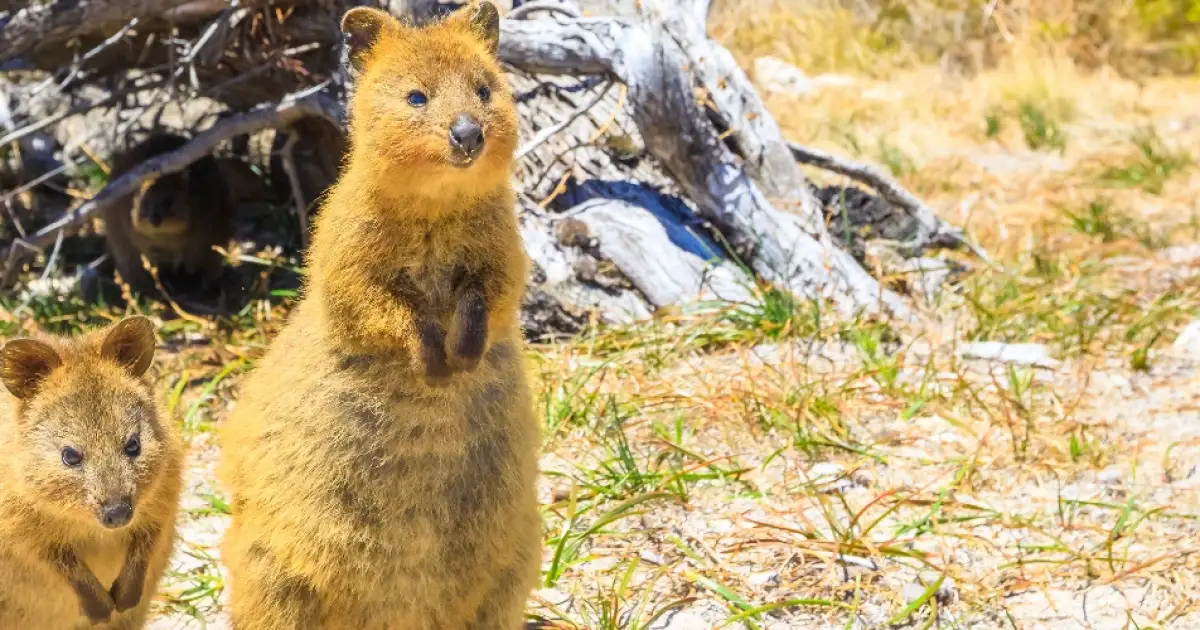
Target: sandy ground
(833,485)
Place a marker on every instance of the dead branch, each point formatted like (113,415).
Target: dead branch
(662,59)
(311,104)
(77,67)
(549,6)
(54,23)
(549,132)
(933,232)
(289,165)
(45,272)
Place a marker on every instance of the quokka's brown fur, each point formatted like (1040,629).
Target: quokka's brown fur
(381,461)
(174,220)
(84,541)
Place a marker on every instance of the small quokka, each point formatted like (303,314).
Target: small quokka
(174,221)
(381,461)
(90,479)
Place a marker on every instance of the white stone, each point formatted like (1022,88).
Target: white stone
(1183,255)
(1034,354)
(700,616)
(777,75)
(1187,344)
(763,579)
(1112,474)
(912,592)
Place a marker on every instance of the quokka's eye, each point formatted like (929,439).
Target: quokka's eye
(485,93)
(133,446)
(417,98)
(71,457)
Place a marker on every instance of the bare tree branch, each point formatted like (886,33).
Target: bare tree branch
(298,200)
(60,21)
(582,46)
(77,67)
(933,232)
(550,6)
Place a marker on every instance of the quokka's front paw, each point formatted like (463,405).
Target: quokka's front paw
(98,608)
(431,361)
(126,593)
(469,339)
(465,361)
(438,377)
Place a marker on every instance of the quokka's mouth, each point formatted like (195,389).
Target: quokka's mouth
(460,159)
(171,228)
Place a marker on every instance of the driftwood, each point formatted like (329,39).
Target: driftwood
(726,153)
(651,175)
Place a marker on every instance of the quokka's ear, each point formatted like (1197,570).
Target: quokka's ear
(485,19)
(130,344)
(362,27)
(25,365)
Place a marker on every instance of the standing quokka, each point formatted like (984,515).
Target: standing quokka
(174,221)
(89,478)
(382,460)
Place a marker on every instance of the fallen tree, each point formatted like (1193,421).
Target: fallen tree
(650,172)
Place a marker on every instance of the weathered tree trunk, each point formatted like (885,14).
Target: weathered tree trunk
(727,156)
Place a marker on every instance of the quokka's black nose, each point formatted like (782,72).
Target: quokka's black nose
(117,513)
(466,135)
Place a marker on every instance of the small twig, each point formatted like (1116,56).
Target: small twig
(937,231)
(550,6)
(602,129)
(77,67)
(202,51)
(209,33)
(306,104)
(13,259)
(153,271)
(270,63)
(50,264)
(289,166)
(105,167)
(559,189)
(12,215)
(34,183)
(549,132)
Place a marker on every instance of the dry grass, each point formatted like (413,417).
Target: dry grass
(877,37)
(762,467)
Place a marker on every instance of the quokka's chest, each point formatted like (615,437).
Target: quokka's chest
(433,277)
(105,561)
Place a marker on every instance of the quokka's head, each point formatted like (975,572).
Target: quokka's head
(430,103)
(162,206)
(90,440)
